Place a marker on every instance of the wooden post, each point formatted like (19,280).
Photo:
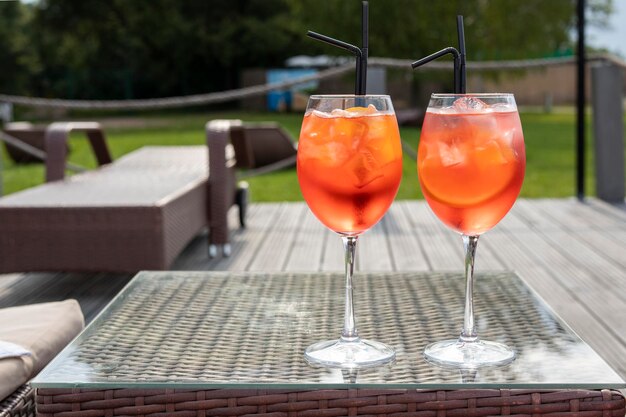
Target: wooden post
(608,131)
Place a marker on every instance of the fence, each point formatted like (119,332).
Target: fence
(231,95)
(606,136)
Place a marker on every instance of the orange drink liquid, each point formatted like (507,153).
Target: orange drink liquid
(349,166)
(471,166)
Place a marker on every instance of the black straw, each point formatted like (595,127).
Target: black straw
(459,58)
(364,46)
(445,51)
(461,70)
(360,85)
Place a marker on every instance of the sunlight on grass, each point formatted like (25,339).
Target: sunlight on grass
(550,151)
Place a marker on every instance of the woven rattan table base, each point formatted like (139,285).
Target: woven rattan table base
(328,403)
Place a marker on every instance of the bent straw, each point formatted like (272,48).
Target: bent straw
(361,54)
(348,47)
(449,50)
(460,76)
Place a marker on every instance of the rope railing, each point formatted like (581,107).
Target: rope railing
(174,102)
(229,95)
(523,64)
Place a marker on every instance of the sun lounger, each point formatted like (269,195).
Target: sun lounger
(136,213)
(262,147)
(28,134)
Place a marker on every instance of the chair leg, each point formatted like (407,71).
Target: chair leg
(241,199)
(226,250)
(212,250)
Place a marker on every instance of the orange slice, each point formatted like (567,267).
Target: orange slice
(363,110)
(482,175)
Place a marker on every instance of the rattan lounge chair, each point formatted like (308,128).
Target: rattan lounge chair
(262,147)
(25,143)
(136,213)
(28,134)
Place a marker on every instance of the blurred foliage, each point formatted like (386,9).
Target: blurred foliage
(19,62)
(109,49)
(494,29)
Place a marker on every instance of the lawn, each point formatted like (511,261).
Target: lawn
(550,144)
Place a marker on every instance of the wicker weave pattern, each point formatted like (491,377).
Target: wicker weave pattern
(19,404)
(328,403)
(211,329)
(245,333)
(137,213)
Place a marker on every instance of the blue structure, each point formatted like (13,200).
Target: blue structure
(278,100)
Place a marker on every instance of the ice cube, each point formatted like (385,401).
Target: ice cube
(348,131)
(318,113)
(364,168)
(469,104)
(339,113)
(494,153)
(371,109)
(450,154)
(503,107)
(482,129)
(507,137)
(443,110)
(336,153)
(332,154)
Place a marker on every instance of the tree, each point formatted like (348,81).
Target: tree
(111,49)
(494,29)
(166,47)
(18,63)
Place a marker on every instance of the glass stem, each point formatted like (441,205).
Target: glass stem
(469,330)
(349,333)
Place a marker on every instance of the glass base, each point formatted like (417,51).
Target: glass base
(359,353)
(458,354)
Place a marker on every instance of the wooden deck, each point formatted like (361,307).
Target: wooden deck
(573,254)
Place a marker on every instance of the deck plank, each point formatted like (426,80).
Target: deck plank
(434,238)
(278,241)
(405,248)
(575,309)
(250,241)
(333,253)
(308,244)
(373,252)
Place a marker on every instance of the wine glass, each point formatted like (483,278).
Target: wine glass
(471,163)
(349,170)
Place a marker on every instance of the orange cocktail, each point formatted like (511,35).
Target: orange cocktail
(349,169)
(471,165)
(349,166)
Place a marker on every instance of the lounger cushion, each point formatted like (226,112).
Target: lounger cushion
(44,330)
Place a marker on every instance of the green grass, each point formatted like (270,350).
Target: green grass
(550,151)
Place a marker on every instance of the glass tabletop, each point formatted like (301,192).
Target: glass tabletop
(205,330)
